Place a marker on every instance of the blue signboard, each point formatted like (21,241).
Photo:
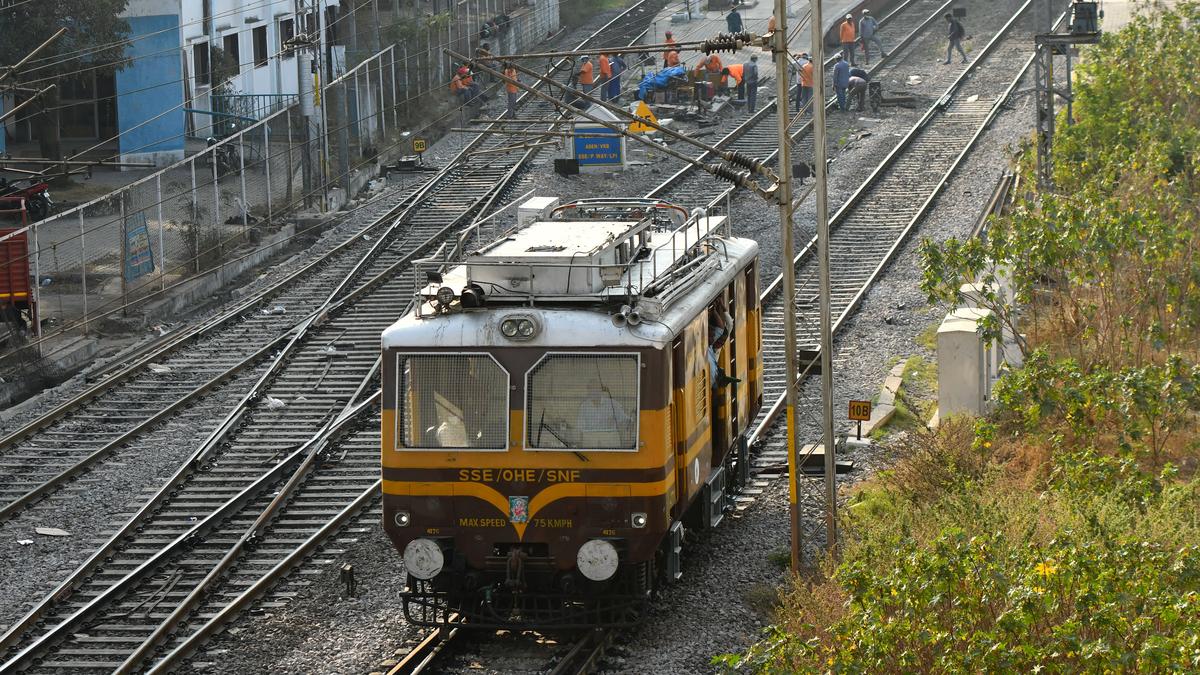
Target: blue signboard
(139,257)
(598,146)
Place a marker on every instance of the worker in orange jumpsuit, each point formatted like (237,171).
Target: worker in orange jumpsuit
(805,91)
(605,75)
(713,64)
(512,89)
(848,34)
(586,79)
(736,71)
(670,41)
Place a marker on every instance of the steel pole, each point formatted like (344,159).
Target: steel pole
(822,189)
(784,198)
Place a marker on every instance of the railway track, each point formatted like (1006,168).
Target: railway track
(874,222)
(42,456)
(579,654)
(278,476)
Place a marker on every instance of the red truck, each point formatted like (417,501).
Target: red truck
(17,306)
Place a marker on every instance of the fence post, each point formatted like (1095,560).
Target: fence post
(212,155)
(83,269)
(380,103)
(242,171)
(124,260)
(195,208)
(162,251)
(290,163)
(395,93)
(267,164)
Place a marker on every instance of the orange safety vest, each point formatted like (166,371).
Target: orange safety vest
(672,58)
(511,73)
(456,83)
(806,74)
(736,70)
(714,64)
(585,73)
(605,68)
(847,31)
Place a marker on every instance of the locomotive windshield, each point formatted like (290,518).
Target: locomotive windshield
(583,401)
(451,401)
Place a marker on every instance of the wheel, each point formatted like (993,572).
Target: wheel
(38,207)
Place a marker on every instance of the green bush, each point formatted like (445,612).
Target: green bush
(1062,533)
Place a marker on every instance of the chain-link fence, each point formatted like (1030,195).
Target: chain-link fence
(220,211)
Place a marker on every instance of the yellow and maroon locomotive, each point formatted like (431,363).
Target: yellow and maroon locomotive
(560,403)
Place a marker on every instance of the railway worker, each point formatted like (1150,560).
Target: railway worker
(846,34)
(868,32)
(512,90)
(733,20)
(614,84)
(719,322)
(605,75)
(671,58)
(713,64)
(463,86)
(841,80)
(955,34)
(751,83)
(586,80)
(670,40)
(737,72)
(857,86)
(771,24)
(805,91)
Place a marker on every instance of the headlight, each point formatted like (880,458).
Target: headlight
(424,559)
(637,519)
(597,559)
(402,519)
(519,327)
(445,295)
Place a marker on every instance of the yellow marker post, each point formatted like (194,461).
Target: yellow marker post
(643,111)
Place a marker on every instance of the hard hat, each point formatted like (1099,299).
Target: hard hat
(668,33)
(585,58)
(866,11)
(849,16)
(462,70)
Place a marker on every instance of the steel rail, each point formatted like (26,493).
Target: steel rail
(771,415)
(46,487)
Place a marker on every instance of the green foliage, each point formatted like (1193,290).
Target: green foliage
(1061,534)
(95,35)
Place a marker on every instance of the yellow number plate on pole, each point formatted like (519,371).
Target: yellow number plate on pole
(418,145)
(860,411)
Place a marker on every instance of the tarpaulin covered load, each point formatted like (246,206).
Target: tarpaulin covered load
(659,79)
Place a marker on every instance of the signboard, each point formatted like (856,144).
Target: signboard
(419,145)
(860,411)
(598,146)
(643,111)
(139,257)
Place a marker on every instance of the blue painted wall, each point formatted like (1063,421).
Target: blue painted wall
(151,84)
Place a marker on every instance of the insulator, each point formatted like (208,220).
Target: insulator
(741,159)
(726,172)
(721,43)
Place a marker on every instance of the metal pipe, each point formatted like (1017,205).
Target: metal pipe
(783,199)
(821,174)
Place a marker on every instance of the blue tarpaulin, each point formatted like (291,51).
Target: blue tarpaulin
(659,79)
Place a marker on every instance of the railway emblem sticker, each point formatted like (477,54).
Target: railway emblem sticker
(518,509)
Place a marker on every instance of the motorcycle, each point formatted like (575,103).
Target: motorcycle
(35,193)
